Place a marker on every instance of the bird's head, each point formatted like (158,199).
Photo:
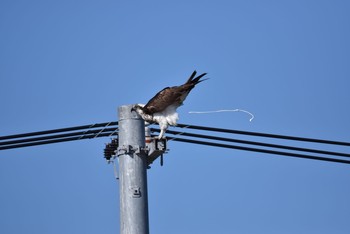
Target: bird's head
(138,108)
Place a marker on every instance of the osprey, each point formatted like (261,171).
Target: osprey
(162,107)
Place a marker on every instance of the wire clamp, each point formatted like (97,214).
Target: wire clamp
(131,149)
(157,147)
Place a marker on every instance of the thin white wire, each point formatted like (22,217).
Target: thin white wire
(102,129)
(217,111)
(178,134)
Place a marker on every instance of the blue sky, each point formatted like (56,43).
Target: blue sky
(69,63)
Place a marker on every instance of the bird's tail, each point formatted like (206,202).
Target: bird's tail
(196,80)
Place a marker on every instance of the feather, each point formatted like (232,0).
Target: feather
(175,95)
(162,107)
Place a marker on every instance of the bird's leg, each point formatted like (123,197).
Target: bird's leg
(163,128)
(163,125)
(161,134)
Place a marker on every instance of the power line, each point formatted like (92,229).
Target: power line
(58,140)
(103,130)
(263,135)
(260,150)
(80,134)
(255,143)
(115,123)
(90,126)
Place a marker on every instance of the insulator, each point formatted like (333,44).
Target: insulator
(110,149)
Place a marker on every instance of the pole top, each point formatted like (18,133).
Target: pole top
(125,112)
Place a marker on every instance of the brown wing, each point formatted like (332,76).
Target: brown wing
(164,98)
(172,95)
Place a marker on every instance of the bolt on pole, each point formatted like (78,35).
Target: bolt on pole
(132,173)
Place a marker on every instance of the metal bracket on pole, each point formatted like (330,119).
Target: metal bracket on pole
(131,149)
(156,148)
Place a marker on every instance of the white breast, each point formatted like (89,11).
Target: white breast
(169,116)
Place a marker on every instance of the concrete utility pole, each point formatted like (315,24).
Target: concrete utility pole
(132,173)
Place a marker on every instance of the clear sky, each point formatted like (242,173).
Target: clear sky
(69,63)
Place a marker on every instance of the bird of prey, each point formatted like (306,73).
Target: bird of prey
(162,107)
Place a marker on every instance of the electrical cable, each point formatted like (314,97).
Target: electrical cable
(101,130)
(263,134)
(59,138)
(254,143)
(80,133)
(281,153)
(97,125)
